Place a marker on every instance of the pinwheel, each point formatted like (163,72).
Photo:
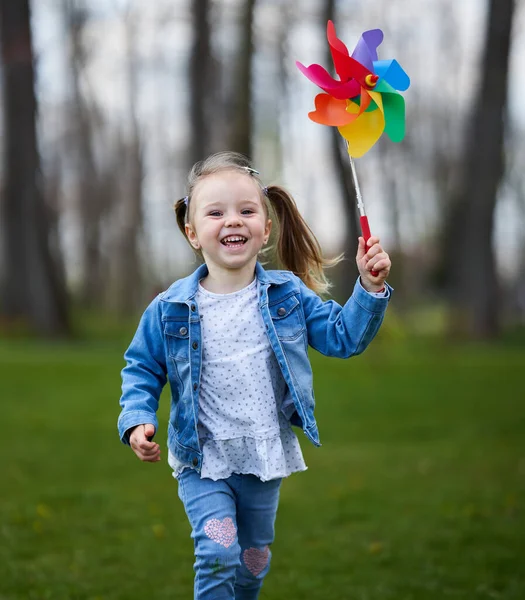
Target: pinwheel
(364,102)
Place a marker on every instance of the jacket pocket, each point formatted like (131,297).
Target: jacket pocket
(287,318)
(177,335)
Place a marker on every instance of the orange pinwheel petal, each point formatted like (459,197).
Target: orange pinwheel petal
(331,111)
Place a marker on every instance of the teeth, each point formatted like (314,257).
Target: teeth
(234,239)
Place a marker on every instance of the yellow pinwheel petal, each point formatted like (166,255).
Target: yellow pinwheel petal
(364,132)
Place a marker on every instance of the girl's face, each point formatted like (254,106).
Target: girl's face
(228,221)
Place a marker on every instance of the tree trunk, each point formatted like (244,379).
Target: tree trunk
(127,276)
(346,185)
(88,180)
(241,135)
(33,291)
(200,78)
(471,225)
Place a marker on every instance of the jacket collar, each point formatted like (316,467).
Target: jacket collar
(185,289)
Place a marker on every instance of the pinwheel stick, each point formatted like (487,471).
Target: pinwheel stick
(363,219)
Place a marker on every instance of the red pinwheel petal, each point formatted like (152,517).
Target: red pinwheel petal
(338,50)
(345,66)
(338,89)
(333,40)
(330,111)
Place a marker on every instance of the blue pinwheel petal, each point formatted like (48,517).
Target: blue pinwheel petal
(392,72)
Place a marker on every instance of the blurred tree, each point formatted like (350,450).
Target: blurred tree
(91,203)
(201,78)
(341,162)
(33,290)
(126,271)
(470,225)
(241,131)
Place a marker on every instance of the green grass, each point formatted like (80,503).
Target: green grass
(417,492)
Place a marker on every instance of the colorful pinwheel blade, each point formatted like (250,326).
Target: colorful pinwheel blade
(331,111)
(394,106)
(364,132)
(346,66)
(393,73)
(338,89)
(365,51)
(338,50)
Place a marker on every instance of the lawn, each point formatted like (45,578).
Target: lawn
(416,493)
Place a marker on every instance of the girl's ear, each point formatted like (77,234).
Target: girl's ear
(267,230)
(192,236)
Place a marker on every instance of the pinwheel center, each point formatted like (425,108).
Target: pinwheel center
(371,80)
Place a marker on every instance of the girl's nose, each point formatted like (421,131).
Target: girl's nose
(233,221)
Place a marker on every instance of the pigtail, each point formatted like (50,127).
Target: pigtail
(180,208)
(297,247)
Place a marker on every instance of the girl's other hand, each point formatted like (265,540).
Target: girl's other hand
(143,448)
(372,257)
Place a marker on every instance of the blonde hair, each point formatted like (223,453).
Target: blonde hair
(297,248)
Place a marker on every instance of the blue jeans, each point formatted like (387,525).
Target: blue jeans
(233,526)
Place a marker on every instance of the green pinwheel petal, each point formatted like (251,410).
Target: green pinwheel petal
(372,106)
(384,87)
(394,108)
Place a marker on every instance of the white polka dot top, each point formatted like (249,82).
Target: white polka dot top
(241,426)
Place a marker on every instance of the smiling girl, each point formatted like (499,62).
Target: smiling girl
(231,339)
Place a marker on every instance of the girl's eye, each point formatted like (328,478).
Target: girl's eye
(247,211)
(215,213)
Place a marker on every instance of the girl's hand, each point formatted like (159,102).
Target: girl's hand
(143,448)
(369,258)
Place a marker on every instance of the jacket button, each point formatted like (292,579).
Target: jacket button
(195,386)
(183,330)
(192,308)
(195,345)
(282,311)
(195,462)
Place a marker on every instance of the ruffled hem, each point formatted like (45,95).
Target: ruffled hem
(271,458)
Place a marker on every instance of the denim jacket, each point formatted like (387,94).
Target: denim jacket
(168,347)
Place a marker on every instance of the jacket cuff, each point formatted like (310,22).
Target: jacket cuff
(130,420)
(371,302)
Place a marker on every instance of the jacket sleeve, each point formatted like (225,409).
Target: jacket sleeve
(343,331)
(144,375)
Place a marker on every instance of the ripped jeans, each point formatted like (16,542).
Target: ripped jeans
(233,527)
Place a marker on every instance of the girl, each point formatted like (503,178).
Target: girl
(232,341)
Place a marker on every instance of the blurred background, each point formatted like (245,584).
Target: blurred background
(106,104)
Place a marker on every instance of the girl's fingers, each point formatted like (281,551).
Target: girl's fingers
(146,445)
(378,262)
(371,241)
(361,249)
(150,451)
(150,457)
(374,250)
(155,458)
(146,451)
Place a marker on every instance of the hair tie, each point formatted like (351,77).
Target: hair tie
(186,200)
(265,191)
